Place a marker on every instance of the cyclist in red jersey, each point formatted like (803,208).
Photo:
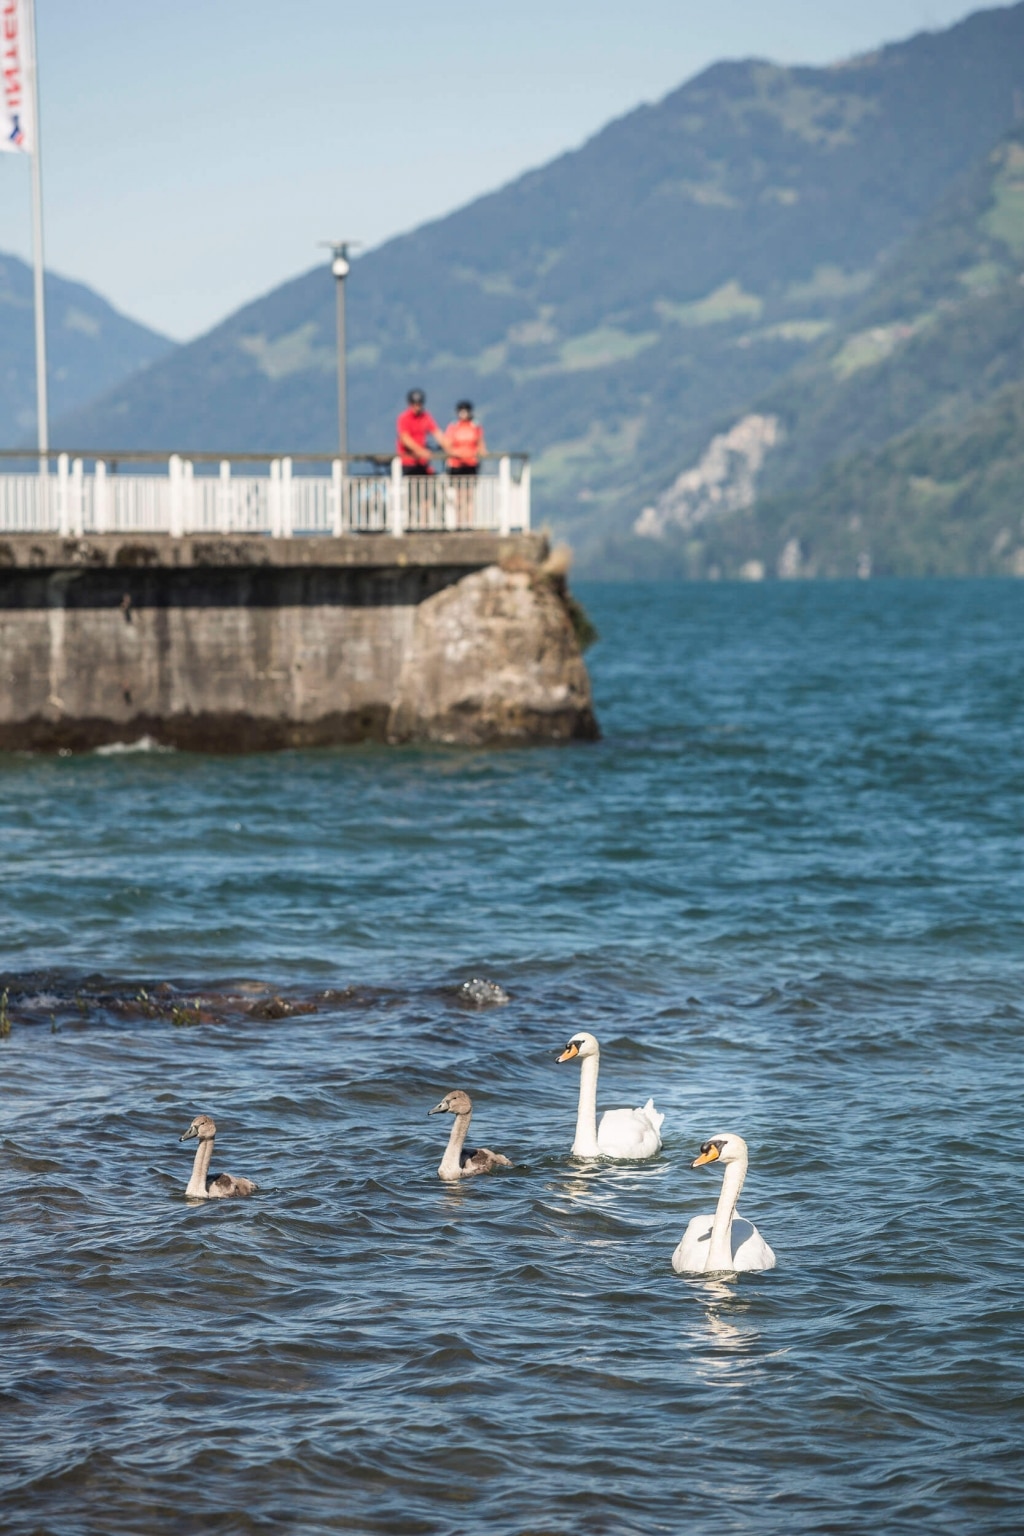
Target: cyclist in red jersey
(413,427)
(466,447)
(465,439)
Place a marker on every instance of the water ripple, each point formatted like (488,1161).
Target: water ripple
(785,891)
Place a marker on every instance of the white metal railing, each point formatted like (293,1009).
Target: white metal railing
(323,499)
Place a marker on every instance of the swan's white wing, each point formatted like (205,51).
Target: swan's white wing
(749,1249)
(691,1255)
(630,1132)
(655,1116)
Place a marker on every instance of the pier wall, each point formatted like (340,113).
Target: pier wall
(243,644)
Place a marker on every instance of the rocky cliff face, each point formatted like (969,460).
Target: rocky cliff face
(724,481)
(494,659)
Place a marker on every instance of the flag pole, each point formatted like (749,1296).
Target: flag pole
(42,412)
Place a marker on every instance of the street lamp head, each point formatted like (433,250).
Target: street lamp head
(340,264)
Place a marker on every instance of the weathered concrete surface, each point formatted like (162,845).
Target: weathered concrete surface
(241,644)
(159,551)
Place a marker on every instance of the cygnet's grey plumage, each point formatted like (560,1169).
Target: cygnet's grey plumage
(201,1186)
(457,1163)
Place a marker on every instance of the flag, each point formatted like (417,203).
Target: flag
(17,128)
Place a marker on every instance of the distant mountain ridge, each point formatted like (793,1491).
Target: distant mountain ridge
(613,310)
(91,348)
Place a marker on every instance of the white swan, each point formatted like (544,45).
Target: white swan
(456,1163)
(723,1241)
(201,1186)
(622,1132)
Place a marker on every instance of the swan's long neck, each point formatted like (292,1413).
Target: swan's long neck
(585,1144)
(197,1183)
(720,1247)
(451,1163)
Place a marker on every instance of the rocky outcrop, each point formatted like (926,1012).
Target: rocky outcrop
(724,481)
(494,659)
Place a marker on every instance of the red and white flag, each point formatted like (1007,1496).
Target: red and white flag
(17,128)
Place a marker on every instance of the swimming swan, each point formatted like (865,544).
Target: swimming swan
(200,1185)
(723,1241)
(457,1164)
(622,1132)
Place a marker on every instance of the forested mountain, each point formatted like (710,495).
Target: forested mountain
(897,445)
(614,309)
(91,348)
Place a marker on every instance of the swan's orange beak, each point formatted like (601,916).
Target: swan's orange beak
(709,1153)
(571,1050)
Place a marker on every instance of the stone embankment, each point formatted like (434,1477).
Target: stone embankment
(247,644)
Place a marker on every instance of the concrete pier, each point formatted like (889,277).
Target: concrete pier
(235,643)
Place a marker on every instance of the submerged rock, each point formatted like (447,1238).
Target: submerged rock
(280,1008)
(480,993)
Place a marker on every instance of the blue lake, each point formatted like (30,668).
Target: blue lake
(786,891)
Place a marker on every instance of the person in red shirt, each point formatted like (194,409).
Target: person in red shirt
(465,440)
(466,447)
(413,427)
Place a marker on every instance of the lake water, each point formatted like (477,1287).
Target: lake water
(786,891)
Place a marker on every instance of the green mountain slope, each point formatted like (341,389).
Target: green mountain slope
(941,331)
(932,502)
(91,348)
(896,448)
(608,310)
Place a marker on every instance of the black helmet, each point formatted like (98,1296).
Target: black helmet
(464,405)
(416,397)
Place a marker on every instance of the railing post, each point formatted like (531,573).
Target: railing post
(504,494)
(225,519)
(274,499)
(524,495)
(175,496)
(44,498)
(63,498)
(77,498)
(395,499)
(100,509)
(337,498)
(189,521)
(287,504)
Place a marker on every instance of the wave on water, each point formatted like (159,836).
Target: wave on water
(141,744)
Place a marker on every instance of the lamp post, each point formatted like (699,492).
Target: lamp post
(340,268)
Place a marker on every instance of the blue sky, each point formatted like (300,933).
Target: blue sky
(195,152)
